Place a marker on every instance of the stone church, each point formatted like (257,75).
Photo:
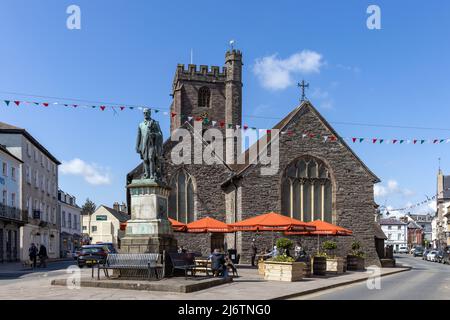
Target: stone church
(315,180)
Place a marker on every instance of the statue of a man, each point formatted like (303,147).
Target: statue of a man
(149,146)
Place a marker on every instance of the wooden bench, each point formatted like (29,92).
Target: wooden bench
(183,261)
(134,265)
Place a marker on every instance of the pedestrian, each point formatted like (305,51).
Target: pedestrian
(254,251)
(32,253)
(42,256)
(218,263)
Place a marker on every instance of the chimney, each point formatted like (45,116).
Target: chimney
(116,206)
(123,208)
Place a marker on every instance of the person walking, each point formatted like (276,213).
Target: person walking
(42,256)
(254,251)
(32,253)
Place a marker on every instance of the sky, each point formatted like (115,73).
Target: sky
(388,83)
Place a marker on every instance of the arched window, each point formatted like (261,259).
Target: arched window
(306,190)
(181,198)
(204,96)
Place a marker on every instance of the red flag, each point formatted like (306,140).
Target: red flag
(374,140)
(197,118)
(290,133)
(245,127)
(414,141)
(17,103)
(333,138)
(222,124)
(103,108)
(173,114)
(354,140)
(394,141)
(268,131)
(45,104)
(312,135)
(121,108)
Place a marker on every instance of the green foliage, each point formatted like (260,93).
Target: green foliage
(356,245)
(282,258)
(320,254)
(356,250)
(284,243)
(329,245)
(88,207)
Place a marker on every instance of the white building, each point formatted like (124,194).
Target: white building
(70,222)
(11,215)
(395,231)
(104,225)
(39,189)
(443,210)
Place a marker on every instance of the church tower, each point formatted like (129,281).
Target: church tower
(208,92)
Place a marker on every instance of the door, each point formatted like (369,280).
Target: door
(8,245)
(217,241)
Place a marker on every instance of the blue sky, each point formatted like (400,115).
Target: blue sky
(127,51)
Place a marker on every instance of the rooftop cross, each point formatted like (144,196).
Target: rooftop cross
(303,85)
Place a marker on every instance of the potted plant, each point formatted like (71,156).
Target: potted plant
(334,264)
(355,260)
(282,267)
(319,264)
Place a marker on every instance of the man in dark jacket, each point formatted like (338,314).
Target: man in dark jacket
(32,253)
(42,256)
(254,251)
(217,262)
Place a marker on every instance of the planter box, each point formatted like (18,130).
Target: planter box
(335,265)
(261,267)
(319,266)
(355,263)
(284,271)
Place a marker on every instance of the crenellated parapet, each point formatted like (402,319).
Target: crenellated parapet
(202,72)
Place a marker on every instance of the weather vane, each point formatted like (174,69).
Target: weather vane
(303,85)
(232,44)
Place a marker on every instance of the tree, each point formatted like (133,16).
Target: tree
(88,207)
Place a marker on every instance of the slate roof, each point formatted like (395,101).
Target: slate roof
(379,234)
(391,221)
(3,148)
(8,128)
(121,216)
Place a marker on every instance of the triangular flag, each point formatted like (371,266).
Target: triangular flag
(435,140)
(156,110)
(422,141)
(75,105)
(36,103)
(93,107)
(268,131)
(131,108)
(17,103)
(394,141)
(374,140)
(190,118)
(325,138)
(381,141)
(304,135)
(312,135)
(45,104)
(361,140)
(222,124)
(442,140)
(333,138)
(7,102)
(173,114)
(230,126)
(214,123)
(103,108)
(401,141)
(354,140)
(121,108)
(245,127)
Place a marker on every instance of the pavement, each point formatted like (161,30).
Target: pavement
(425,281)
(250,285)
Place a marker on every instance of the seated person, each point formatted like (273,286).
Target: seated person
(217,263)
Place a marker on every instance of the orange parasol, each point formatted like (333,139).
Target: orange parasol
(177,225)
(322,229)
(208,225)
(271,222)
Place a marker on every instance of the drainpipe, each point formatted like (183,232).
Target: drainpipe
(235,209)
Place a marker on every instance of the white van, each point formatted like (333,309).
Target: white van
(403,248)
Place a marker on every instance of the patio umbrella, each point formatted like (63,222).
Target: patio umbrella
(208,225)
(177,226)
(323,229)
(271,222)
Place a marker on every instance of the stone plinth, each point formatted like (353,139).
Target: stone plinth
(148,230)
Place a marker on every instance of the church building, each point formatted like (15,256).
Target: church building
(315,180)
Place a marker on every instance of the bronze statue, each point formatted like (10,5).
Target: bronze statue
(149,146)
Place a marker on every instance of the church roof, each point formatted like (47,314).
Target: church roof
(240,168)
(379,234)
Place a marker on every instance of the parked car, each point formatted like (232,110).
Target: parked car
(412,250)
(418,251)
(402,249)
(425,254)
(75,253)
(91,255)
(439,256)
(109,245)
(432,256)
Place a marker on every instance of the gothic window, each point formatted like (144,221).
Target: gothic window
(181,198)
(306,190)
(204,97)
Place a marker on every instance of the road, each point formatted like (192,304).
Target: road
(426,280)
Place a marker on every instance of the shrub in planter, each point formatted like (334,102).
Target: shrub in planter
(319,264)
(355,260)
(334,264)
(284,245)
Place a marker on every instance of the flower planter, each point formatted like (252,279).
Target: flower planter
(284,271)
(319,266)
(261,267)
(335,265)
(355,263)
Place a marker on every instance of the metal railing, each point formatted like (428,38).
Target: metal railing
(11,213)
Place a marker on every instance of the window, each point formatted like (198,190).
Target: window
(63,219)
(204,95)
(389,236)
(4,197)
(5,169)
(43,183)
(181,198)
(399,237)
(36,179)
(94,228)
(13,173)
(84,228)
(306,190)
(28,150)
(28,174)
(399,227)
(389,227)
(13,200)
(69,225)
(35,155)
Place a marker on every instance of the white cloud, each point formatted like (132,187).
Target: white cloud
(92,173)
(275,73)
(391,189)
(379,190)
(324,98)
(432,206)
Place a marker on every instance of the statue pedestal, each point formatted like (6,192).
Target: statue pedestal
(148,230)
